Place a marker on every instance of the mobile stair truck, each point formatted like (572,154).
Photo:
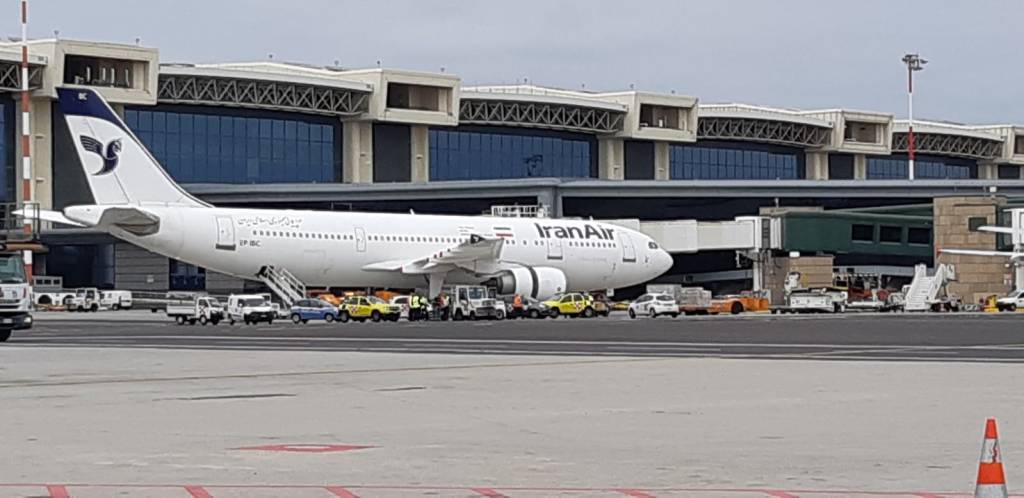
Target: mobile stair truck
(19,239)
(930,292)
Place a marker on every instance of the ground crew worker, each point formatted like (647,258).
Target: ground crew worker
(424,306)
(442,306)
(517,306)
(414,308)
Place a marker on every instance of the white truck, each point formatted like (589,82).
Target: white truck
(86,299)
(15,295)
(803,300)
(202,310)
(50,291)
(473,302)
(116,299)
(249,309)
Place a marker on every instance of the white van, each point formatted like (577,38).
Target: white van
(249,309)
(116,300)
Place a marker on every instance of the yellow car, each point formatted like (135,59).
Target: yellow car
(570,304)
(362,308)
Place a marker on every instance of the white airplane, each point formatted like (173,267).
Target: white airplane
(137,201)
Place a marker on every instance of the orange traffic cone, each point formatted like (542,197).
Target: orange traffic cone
(991,479)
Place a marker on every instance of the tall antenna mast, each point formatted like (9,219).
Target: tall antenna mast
(26,135)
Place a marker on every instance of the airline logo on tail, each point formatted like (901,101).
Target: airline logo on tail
(110,154)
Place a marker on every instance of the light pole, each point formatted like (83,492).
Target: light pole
(914,62)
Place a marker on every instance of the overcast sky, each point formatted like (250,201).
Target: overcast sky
(806,54)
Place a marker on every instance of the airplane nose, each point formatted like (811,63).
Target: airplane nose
(662,261)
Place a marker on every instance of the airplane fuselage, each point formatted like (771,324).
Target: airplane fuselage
(324,248)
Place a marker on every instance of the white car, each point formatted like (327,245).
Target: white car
(403,303)
(654,305)
(1011,302)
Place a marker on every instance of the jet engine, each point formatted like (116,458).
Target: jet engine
(538,283)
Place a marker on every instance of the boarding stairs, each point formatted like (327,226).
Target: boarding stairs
(926,290)
(288,288)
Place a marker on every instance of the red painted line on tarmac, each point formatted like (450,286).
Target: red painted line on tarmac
(197,492)
(58,492)
(779,494)
(488,492)
(635,493)
(341,492)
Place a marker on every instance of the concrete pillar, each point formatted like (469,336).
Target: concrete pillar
(611,158)
(42,154)
(357,159)
(977,276)
(662,168)
(816,165)
(420,153)
(860,167)
(551,198)
(988,171)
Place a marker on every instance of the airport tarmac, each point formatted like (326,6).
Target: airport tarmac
(128,405)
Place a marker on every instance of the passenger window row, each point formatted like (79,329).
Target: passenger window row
(412,238)
(303,235)
(573,243)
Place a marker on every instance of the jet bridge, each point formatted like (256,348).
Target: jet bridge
(751,236)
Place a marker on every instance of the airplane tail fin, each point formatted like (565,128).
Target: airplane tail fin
(118,167)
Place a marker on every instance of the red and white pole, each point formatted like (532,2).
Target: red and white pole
(26,134)
(910,122)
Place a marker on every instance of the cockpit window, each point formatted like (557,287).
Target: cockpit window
(652,245)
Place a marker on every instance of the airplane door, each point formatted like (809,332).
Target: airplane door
(225,233)
(628,249)
(555,249)
(360,240)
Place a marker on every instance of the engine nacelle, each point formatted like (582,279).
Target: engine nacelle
(539,283)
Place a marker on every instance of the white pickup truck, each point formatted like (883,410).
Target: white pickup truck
(202,310)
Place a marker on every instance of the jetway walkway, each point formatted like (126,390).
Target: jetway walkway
(745,233)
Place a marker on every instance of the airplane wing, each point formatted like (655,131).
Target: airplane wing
(47,215)
(129,219)
(477,253)
(996,229)
(975,252)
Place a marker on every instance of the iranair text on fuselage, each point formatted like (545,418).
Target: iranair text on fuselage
(587,231)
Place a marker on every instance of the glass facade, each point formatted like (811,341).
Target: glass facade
(7,131)
(82,265)
(486,153)
(201,145)
(925,167)
(185,277)
(710,160)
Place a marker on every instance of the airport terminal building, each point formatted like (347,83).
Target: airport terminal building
(279,135)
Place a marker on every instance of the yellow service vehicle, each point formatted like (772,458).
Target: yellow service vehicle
(362,308)
(571,304)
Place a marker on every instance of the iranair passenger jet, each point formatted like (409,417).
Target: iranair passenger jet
(137,201)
